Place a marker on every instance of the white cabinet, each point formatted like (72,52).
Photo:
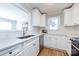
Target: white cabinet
(68,46)
(36,16)
(53,41)
(50,41)
(27,48)
(11,51)
(43,20)
(75,14)
(68,17)
(20,54)
(38,19)
(61,44)
(71,15)
(32,49)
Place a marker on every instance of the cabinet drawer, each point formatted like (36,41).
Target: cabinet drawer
(30,42)
(32,47)
(11,51)
(20,54)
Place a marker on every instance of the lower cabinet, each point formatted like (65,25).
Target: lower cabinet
(50,41)
(11,51)
(61,42)
(58,42)
(30,49)
(27,48)
(68,46)
(53,41)
(20,54)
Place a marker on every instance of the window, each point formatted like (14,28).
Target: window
(6,24)
(14,17)
(53,23)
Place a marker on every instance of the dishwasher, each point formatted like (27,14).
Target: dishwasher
(41,42)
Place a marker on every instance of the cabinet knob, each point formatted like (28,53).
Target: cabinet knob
(69,42)
(34,44)
(65,35)
(10,52)
(56,39)
(75,23)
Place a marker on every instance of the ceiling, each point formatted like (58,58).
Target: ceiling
(49,8)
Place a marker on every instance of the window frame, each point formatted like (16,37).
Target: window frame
(13,22)
(58,23)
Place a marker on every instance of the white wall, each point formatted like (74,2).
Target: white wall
(11,12)
(70,31)
(19,15)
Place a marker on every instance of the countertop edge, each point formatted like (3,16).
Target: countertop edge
(1,49)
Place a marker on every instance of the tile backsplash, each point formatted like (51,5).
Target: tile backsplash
(14,34)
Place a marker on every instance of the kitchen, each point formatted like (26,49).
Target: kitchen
(43,29)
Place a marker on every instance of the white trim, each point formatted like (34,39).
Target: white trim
(21,7)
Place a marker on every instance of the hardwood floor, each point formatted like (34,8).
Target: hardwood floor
(51,52)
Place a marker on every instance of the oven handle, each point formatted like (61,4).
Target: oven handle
(75,47)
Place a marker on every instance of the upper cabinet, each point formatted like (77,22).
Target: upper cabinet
(68,17)
(75,14)
(43,20)
(36,16)
(71,15)
(38,19)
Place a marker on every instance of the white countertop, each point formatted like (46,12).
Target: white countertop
(11,42)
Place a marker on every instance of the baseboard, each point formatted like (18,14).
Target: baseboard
(55,49)
(66,53)
(40,51)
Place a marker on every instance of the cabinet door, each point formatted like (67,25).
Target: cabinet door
(68,46)
(32,49)
(35,48)
(68,17)
(61,44)
(50,41)
(75,14)
(36,16)
(43,20)
(20,54)
(11,51)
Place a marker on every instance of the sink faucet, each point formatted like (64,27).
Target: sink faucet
(23,32)
(25,28)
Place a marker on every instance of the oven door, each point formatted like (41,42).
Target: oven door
(75,51)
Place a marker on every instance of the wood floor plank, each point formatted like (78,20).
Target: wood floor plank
(51,52)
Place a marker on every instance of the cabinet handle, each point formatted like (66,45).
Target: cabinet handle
(65,35)
(34,44)
(68,42)
(75,23)
(10,52)
(56,39)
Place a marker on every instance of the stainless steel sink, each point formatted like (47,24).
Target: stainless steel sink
(24,37)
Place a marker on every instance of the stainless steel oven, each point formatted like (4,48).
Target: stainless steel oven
(75,46)
(75,51)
